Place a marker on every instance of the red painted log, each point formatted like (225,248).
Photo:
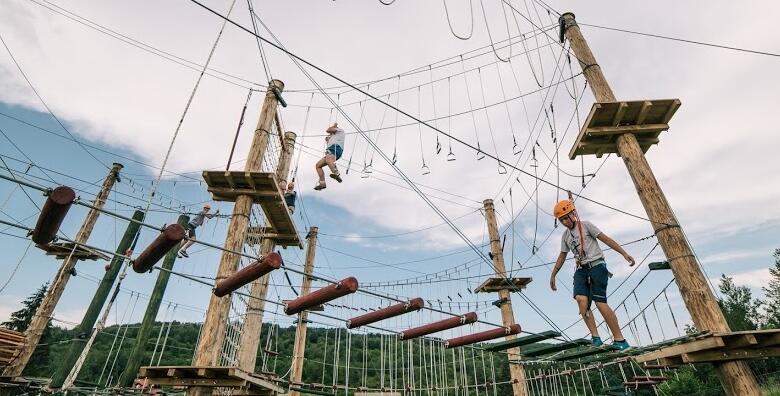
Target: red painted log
(482,336)
(435,327)
(321,296)
(414,304)
(52,214)
(169,238)
(247,274)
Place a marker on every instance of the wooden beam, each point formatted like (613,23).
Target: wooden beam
(688,347)
(220,382)
(619,113)
(672,109)
(617,130)
(719,355)
(640,118)
(741,341)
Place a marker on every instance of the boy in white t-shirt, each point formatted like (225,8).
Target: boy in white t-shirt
(591,277)
(335,148)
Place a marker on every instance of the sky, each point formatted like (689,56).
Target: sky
(119,76)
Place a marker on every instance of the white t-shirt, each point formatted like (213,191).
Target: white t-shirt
(570,241)
(337,138)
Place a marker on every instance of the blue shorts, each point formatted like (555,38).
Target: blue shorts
(335,150)
(592,282)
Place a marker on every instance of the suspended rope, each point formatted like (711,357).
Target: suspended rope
(449,22)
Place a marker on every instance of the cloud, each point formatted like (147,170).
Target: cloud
(757,279)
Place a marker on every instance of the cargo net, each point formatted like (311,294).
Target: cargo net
(239,302)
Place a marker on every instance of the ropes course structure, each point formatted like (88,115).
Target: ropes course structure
(279,323)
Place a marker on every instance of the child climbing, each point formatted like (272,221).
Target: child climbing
(591,276)
(192,225)
(289,197)
(335,148)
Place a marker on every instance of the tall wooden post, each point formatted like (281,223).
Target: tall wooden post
(84,330)
(299,347)
(213,330)
(152,309)
(43,314)
(516,371)
(253,320)
(735,376)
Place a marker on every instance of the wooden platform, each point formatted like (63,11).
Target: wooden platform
(717,347)
(217,377)
(264,190)
(607,120)
(10,343)
(520,341)
(492,285)
(61,250)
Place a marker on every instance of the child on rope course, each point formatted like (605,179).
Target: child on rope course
(591,276)
(289,197)
(335,148)
(192,225)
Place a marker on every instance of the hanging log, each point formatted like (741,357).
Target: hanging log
(321,296)
(435,327)
(52,214)
(247,274)
(482,336)
(169,238)
(414,304)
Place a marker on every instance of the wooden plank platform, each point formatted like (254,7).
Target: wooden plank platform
(607,120)
(217,377)
(715,347)
(542,350)
(264,190)
(584,352)
(10,344)
(492,285)
(61,251)
(520,341)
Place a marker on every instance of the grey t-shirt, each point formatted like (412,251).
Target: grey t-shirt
(570,241)
(198,220)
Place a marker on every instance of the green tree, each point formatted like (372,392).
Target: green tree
(772,317)
(20,320)
(738,305)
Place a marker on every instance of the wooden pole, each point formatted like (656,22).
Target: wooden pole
(253,319)
(516,371)
(43,314)
(213,330)
(299,347)
(735,376)
(84,330)
(152,309)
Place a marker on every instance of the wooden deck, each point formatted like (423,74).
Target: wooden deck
(718,347)
(217,377)
(10,343)
(492,285)
(264,190)
(61,250)
(607,120)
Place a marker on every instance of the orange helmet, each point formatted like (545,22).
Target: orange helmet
(563,208)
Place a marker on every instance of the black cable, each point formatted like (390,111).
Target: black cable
(681,40)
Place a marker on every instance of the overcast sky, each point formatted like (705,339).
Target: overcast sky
(119,74)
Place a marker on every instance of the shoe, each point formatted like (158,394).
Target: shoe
(596,340)
(320,186)
(620,345)
(336,176)
(184,253)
